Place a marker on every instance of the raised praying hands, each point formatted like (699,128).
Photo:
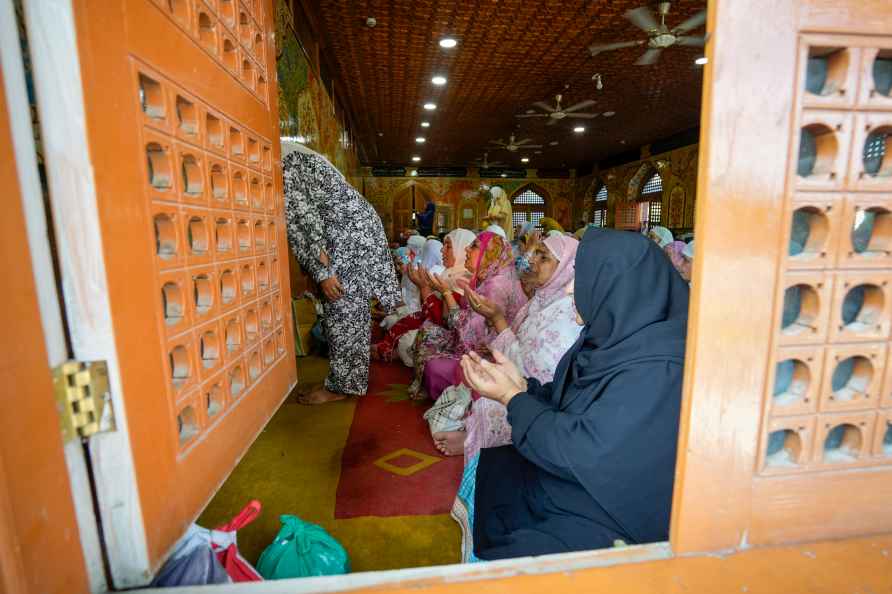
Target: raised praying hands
(498,380)
(487,308)
(415,275)
(436,282)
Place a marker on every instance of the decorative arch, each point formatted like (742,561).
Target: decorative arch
(644,173)
(525,210)
(402,207)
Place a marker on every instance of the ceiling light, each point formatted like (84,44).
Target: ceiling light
(421,140)
(414,172)
(608,114)
(448,42)
(701,61)
(553,143)
(430,106)
(537,152)
(425,124)
(579,129)
(416,158)
(504,175)
(525,160)
(439,80)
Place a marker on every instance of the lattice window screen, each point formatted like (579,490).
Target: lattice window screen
(653,186)
(529,205)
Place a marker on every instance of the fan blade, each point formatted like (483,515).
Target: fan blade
(529,146)
(580,105)
(642,18)
(499,142)
(597,49)
(692,23)
(523,142)
(690,41)
(649,57)
(586,116)
(532,115)
(545,106)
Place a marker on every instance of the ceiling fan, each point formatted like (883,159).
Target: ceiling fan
(659,36)
(514,146)
(484,163)
(557,113)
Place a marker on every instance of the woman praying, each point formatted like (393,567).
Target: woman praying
(593,454)
(401,336)
(437,350)
(544,329)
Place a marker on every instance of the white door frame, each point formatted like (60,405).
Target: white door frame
(44,276)
(52,37)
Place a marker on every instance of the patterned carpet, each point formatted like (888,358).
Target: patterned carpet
(365,471)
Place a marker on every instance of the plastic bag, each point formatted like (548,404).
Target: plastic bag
(192,562)
(223,541)
(302,549)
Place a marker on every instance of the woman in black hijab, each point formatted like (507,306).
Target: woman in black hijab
(593,454)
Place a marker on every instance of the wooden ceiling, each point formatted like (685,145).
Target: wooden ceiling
(510,54)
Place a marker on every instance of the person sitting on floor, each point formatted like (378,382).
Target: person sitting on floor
(661,235)
(593,454)
(437,350)
(544,329)
(401,336)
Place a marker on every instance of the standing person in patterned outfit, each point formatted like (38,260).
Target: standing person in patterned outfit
(339,240)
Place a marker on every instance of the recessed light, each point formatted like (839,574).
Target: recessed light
(537,152)
(579,129)
(622,142)
(504,175)
(439,80)
(430,106)
(425,124)
(414,172)
(530,111)
(608,114)
(421,140)
(416,158)
(701,61)
(448,42)
(525,160)
(553,143)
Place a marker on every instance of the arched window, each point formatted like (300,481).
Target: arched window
(651,199)
(599,213)
(528,206)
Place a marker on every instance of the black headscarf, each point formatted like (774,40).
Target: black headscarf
(634,305)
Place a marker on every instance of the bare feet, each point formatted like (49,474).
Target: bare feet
(320,396)
(450,443)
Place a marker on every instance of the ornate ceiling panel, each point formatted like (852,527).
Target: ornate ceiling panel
(510,54)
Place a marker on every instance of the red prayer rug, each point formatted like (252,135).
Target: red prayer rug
(390,466)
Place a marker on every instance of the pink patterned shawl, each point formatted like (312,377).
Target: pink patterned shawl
(499,283)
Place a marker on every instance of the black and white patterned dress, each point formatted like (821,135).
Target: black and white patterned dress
(324,212)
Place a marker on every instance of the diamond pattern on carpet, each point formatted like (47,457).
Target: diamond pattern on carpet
(390,466)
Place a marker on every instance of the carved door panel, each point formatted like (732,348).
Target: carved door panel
(181,119)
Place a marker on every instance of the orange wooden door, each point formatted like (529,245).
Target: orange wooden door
(787,420)
(181,123)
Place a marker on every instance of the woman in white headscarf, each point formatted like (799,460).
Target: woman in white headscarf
(447,259)
(411,296)
(661,236)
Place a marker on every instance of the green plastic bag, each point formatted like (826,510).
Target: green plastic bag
(302,549)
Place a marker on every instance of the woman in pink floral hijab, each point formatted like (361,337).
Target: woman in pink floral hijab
(490,260)
(540,334)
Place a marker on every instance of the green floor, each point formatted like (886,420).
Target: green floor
(293,468)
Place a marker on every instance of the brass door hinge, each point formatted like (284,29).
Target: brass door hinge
(83,399)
